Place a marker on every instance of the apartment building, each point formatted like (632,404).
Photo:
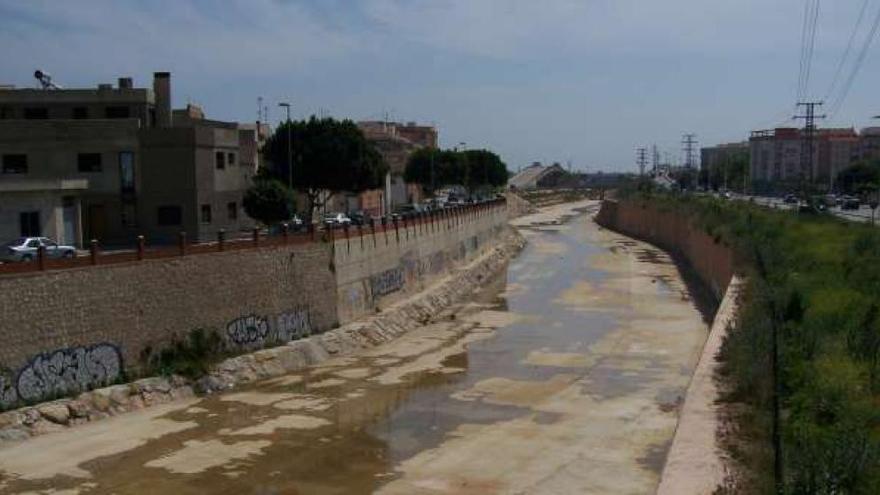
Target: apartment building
(110,163)
(714,157)
(775,156)
(395,142)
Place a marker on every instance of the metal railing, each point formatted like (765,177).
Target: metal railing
(450,217)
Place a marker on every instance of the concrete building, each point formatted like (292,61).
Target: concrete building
(869,143)
(837,149)
(395,142)
(111,163)
(775,157)
(713,157)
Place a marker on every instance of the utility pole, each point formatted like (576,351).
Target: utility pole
(286,105)
(655,159)
(807,139)
(689,144)
(642,159)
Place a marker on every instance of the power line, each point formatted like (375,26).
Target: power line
(848,50)
(808,44)
(860,60)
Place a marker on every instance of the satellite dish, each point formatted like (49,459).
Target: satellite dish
(45,80)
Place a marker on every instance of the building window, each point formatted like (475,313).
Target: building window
(117,112)
(129,215)
(169,216)
(220,160)
(29,223)
(126,171)
(232,210)
(88,162)
(80,113)
(206,213)
(36,113)
(15,164)
(230,159)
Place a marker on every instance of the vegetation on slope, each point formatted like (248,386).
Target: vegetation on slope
(814,284)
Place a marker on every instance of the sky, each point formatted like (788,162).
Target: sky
(580,81)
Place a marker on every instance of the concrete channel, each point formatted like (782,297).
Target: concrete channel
(564,375)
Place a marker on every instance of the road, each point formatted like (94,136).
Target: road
(562,376)
(863,214)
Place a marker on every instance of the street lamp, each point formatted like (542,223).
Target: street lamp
(286,106)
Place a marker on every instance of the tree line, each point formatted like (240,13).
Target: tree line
(475,170)
(321,157)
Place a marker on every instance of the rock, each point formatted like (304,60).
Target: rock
(31,416)
(56,412)
(100,400)
(10,419)
(15,434)
(78,408)
(119,394)
(209,384)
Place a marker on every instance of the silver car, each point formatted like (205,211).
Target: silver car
(25,249)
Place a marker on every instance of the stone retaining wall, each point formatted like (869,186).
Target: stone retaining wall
(371,331)
(72,330)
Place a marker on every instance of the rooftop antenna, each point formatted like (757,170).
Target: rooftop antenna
(45,80)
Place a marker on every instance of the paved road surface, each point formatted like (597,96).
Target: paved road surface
(563,376)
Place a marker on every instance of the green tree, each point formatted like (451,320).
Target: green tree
(484,170)
(863,176)
(268,201)
(421,168)
(473,169)
(329,156)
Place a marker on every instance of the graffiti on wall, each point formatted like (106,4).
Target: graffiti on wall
(411,267)
(438,262)
(70,370)
(247,332)
(8,394)
(387,282)
(293,325)
(255,331)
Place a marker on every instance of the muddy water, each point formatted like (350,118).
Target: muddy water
(562,376)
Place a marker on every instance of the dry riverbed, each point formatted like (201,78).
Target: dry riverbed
(563,375)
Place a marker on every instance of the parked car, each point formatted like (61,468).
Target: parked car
(790,199)
(850,203)
(295,223)
(336,220)
(25,249)
(359,218)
